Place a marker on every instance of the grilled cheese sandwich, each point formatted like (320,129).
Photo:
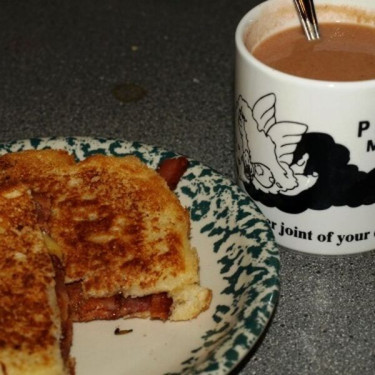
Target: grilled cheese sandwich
(122,234)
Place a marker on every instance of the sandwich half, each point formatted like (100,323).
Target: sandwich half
(122,234)
(35,332)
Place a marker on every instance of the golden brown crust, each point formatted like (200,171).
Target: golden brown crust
(34,168)
(121,229)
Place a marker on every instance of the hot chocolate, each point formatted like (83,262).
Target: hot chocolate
(345,52)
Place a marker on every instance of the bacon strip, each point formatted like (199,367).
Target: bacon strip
(43,209)
(107,308)
(172,170)
(63,303)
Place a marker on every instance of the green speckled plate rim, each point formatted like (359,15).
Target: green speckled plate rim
(250,265)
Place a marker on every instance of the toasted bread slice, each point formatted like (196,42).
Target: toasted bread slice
(120,230)
(34,167)
(43,171)
(30,324)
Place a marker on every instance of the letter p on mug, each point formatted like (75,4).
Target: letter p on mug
(305,123)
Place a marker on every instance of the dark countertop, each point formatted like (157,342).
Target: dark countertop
(58,68)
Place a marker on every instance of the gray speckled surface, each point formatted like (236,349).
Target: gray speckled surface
(59,64)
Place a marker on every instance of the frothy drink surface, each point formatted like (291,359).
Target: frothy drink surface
(345,52)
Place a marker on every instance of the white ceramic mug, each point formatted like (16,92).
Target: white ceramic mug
(305,149)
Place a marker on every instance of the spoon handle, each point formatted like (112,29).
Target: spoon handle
(307,15)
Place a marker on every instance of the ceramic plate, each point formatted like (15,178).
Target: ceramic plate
(239,261)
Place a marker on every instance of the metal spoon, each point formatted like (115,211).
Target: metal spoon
(307,15)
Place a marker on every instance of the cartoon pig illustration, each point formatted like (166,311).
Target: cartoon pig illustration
(267,155)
